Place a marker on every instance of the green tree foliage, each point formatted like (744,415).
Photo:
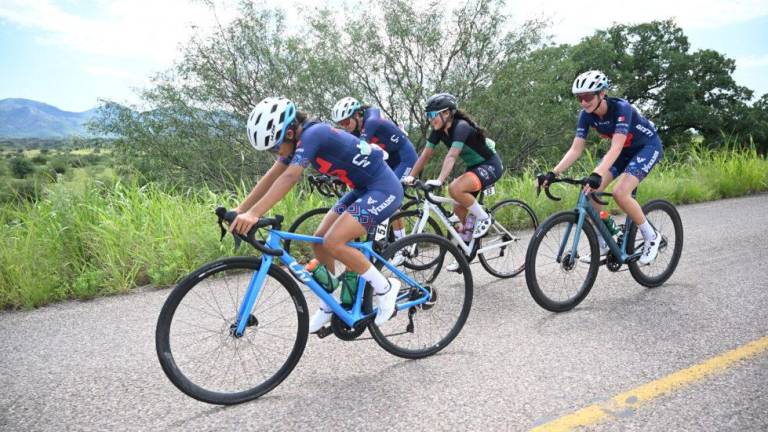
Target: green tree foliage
(21,167)
(652,67)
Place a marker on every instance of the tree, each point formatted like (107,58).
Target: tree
(650,65)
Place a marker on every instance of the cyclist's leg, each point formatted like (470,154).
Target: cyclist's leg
(462,190)
(330,218)
(401,170)
(361,217)
(487,173)
(641,164)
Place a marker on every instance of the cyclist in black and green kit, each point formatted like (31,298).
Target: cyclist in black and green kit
(465,140)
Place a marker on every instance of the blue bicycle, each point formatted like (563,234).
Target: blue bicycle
(235,328)
(558,270)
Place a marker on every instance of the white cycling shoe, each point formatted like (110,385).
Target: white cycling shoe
(386,302)
(650,250)
(482,226)
(320,318)
(603,252)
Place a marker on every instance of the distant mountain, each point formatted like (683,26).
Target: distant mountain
(24,118)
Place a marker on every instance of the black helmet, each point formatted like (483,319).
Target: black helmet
(440,102)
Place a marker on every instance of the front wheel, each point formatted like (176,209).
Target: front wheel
(665,219)
(195,339)
(557,278)
(507,239)
(422,330)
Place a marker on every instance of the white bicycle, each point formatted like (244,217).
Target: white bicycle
(501,250)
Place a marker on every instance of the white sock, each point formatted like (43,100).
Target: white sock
(478,211)
(399,233)
(647,231)
(377,280)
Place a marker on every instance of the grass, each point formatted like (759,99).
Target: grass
(90,238)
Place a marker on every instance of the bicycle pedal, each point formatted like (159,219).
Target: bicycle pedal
(324,332)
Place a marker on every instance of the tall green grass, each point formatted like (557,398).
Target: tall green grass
(103,238)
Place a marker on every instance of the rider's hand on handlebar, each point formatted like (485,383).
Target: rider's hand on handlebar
(593,182)
(407,180)
(546,179)
(435,183)
(243,223)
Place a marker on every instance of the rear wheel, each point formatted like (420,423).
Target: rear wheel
(418,331)
(513,227)
(665,219)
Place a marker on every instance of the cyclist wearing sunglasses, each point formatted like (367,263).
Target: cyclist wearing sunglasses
(368,123)
(375,191)
(465,140)
(635,149)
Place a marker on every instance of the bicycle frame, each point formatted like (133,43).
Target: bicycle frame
(351,317)
(586,210)
(428,208)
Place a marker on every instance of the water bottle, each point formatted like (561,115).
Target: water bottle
(348,288)
(609,222)
(322,275)
(469,226)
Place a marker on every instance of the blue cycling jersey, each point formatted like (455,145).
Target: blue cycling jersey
(621,118)
(385,134)
(340,154)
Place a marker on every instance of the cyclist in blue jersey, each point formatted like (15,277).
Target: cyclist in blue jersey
(635,149)
(465,140)
(375,193)
(367,122)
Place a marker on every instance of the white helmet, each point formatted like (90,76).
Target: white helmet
(590,82)
(344,108)
(268,122)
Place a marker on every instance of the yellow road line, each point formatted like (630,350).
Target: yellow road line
(634,398)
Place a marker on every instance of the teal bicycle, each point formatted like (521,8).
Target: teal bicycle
(235,328)
(556,271)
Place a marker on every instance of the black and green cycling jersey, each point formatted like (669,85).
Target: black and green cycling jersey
(475,149)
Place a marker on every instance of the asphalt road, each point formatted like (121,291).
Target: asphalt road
(92,365)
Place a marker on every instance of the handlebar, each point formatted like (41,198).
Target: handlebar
(327,185)
(595,196)
(249,238)
(418,184)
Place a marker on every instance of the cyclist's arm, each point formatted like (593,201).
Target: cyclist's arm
(571,156)
(280,188)
(448,163)
(617,144)
(426,154)
(262,186)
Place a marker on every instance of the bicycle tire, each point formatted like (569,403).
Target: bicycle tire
(534,277)
(425,319)
(170,344)
(523,221)
(304,224)
(638,271)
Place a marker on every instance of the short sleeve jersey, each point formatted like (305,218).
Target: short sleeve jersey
(339,154)
(621,118)
(384,133)
(474,148)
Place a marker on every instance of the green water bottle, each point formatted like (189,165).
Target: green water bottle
(322,275)
(609,222)
(348,288)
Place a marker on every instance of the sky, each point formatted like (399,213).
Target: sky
(70,53)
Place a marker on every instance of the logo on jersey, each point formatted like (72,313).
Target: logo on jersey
(371,200)
(395,139)
(361,161)
(620,119)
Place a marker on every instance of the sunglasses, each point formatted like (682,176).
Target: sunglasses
(586,97)
(345,123)
(433,114)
